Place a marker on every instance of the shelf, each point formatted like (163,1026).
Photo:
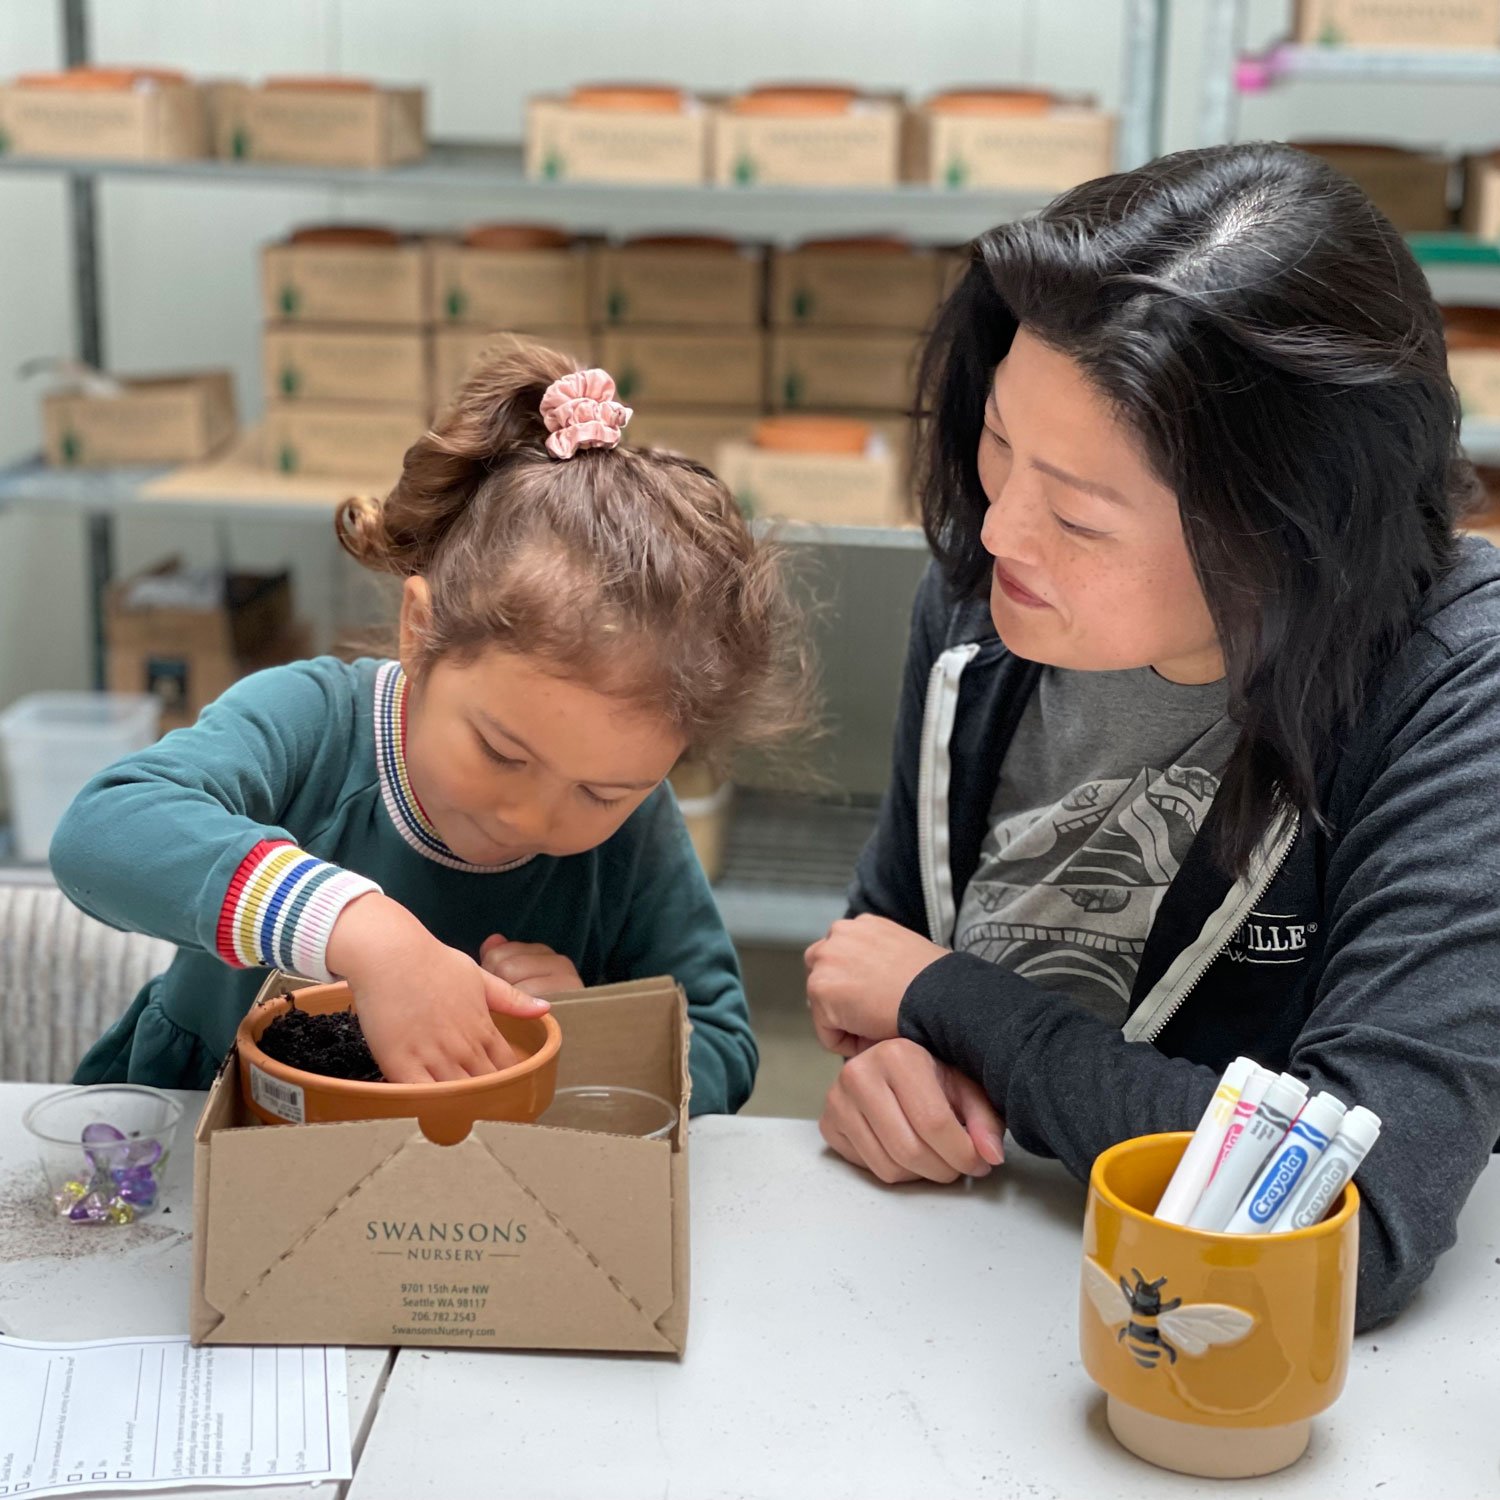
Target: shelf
(494,173)
(1482,439)
(789,864)
(1262,71)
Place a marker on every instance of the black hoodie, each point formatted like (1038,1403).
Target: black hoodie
(1365,961)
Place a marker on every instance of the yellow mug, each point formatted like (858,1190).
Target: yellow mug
(1215,1350)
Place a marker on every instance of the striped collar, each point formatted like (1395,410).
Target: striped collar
(395,786)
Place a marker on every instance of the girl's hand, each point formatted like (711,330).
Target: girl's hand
(899,1113)
(857,976)
(424,1007)
(531,967)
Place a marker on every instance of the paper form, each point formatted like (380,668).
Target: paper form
(125,1414)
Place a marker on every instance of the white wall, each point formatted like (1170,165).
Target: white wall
(180,265)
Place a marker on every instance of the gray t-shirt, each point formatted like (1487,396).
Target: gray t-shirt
(1104,786)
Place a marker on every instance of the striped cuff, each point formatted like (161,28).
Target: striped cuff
(280,909)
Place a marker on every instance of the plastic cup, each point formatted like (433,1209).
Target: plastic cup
(608,1109)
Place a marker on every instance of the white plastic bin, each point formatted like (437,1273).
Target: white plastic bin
(52,743)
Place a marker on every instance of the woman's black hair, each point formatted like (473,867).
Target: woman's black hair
(1265,333)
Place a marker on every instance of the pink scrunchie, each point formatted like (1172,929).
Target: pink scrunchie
(580,411)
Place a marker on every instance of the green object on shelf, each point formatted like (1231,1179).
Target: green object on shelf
(71,446)
(615,305)
(239,144)
(291,381)
(553,166)
(746,502)
(291,301)
(955,174)
(793,388)
(286,459)
(4,143)
(744,171)
(456,303)
(802,305)
(625,383)
(1454,249)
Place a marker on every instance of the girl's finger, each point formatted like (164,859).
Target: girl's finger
(493,941)
(499,1051)
(508,1000)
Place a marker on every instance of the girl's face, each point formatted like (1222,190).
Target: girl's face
(1091,567)
(508,760)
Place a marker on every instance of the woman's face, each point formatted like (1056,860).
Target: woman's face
(1091,567)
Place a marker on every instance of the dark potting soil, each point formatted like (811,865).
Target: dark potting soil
(330,1044)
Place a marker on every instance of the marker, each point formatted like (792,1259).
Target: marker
(1357,1132)
(1305,1142)
(1273,1117)
(1250,1096)
(1202,1152)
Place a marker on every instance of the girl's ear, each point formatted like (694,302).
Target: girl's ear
(416,617)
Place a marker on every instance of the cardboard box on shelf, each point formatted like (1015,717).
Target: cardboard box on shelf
(696,434)
(320,122)
(391,365)
(854,487)
(538,1238)
(537,280)
(809,137)
(681,367)
(1474,358)
(1482,196)
(671,280)
(187,637)
(1399,23)
(154,419)
(109,114)
(454,351)
(600,135)
(346,274)
(1010,140)
(841,370)
(1409,187)
(705,800)
(365,441)
(855,283)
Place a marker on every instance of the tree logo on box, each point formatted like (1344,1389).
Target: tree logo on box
(1153,1327)
(553,166)
(744,170)
(803,303)
(625,383)
(956,174)
(291,381)
(72,447)
(4,142)
(291,302)
(239,143)
(616,304)
(286,459)
(793,389)
(456,303)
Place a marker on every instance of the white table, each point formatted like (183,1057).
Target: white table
(849,1340)
(845,1340)
(63,1282)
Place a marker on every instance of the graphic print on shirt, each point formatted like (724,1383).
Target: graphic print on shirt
(1065,895)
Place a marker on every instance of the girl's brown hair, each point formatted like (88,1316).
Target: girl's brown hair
(630,569)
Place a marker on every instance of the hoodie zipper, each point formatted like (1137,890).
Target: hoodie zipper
(932,790)
(1151,1019)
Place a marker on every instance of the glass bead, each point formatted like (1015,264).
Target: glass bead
(118,1212)
(90,1209)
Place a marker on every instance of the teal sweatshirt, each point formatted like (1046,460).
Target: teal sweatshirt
(243,838)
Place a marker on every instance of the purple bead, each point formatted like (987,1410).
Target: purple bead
(101,1143)
(90,1209)
(145,1152)
(136,1185)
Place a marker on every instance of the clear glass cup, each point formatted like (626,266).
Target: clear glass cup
(611,1110)
(75,1132)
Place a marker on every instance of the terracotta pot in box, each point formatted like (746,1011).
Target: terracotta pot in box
(636,98)
(992,102)
(812,434)
(278,1095)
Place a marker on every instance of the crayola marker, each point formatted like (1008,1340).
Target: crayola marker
(1305,1142)
(1269,1123)
(1250,1096)
(1202,1151)
(1357,1132)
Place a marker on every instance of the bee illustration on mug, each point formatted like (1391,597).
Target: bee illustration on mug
(1152,1326)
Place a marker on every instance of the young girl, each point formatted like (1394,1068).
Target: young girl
(1198,745)
(483,821)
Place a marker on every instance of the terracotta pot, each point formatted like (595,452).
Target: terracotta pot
(858,244)
(795,99)
(714,242)
(640,98)
(812,434)
(516,237)
(1472,327)
(100,79)
(445,1111)
(1215,1350)
(991,102)
(373,236)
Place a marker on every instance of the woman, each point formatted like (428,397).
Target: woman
(1199,742)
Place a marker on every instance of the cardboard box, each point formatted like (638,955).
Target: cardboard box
(365,284)
(1399,23)
(331,126)
(696,434)
(189,653)
(566,142)
(1482,196)
(390,365)
(518,1237)
(822,370)
(1409,187)
(1473,335)
(855,284)
(679,281)
(537,289)
(160,419)
(344,439)
(859,148)
(1042,153)
(705,801)
(454,351)
(676,367)
(822,489)
(153,121)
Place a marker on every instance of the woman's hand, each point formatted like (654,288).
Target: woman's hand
(899,1113)
(424,1007)
(532,967)
(857,976)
